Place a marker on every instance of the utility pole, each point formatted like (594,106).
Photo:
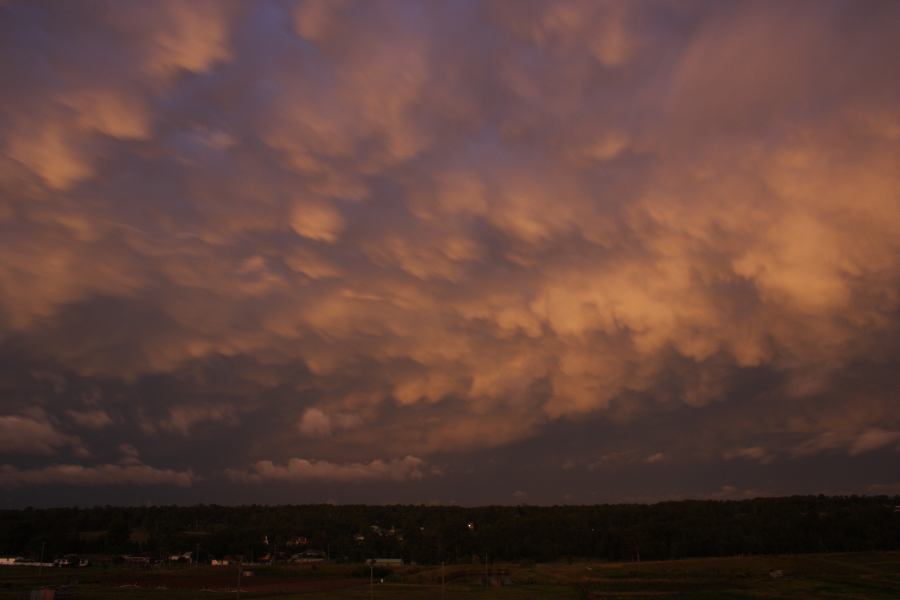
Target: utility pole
(443,590)
(240,570)
(41,567)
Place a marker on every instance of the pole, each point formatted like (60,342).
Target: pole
(240,569)
(443,590)
(372,579)
(197,555)
(41,567)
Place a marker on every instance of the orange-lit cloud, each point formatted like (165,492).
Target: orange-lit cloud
(405,245)
(81,475)
(299,469)
(31,434)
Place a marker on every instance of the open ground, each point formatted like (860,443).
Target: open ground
(870,576)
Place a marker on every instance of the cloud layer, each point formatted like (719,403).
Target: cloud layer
(302,470)
(100,475)
(348,230)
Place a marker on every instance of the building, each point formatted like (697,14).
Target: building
(386,562)
(184,557)
(310,556)
(297,541)
(136,560)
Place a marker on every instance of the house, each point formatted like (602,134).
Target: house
(385,562)
(273,557)
(71,560)
(297,541)
(310,556)
(184,557)
(102,560)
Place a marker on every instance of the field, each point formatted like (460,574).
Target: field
(869,576)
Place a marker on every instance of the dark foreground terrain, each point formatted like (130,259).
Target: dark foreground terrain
(870,576)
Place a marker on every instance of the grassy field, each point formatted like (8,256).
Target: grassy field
(860,576)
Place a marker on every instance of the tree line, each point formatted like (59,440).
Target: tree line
(433,534)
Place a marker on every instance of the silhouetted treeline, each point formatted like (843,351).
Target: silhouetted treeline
(431,534)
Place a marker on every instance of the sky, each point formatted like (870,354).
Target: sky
(453,252)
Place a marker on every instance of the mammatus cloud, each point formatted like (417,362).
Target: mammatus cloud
(753,453)
(32,434)
(183,419)
(873,439)
(90,419)
(300,469)
(317,424)
(333,230)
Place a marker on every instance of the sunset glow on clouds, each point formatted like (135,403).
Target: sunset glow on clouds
(329,243)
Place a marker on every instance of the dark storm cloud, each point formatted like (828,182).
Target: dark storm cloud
(272,243)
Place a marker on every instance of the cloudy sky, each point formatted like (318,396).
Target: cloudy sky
(448,251)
